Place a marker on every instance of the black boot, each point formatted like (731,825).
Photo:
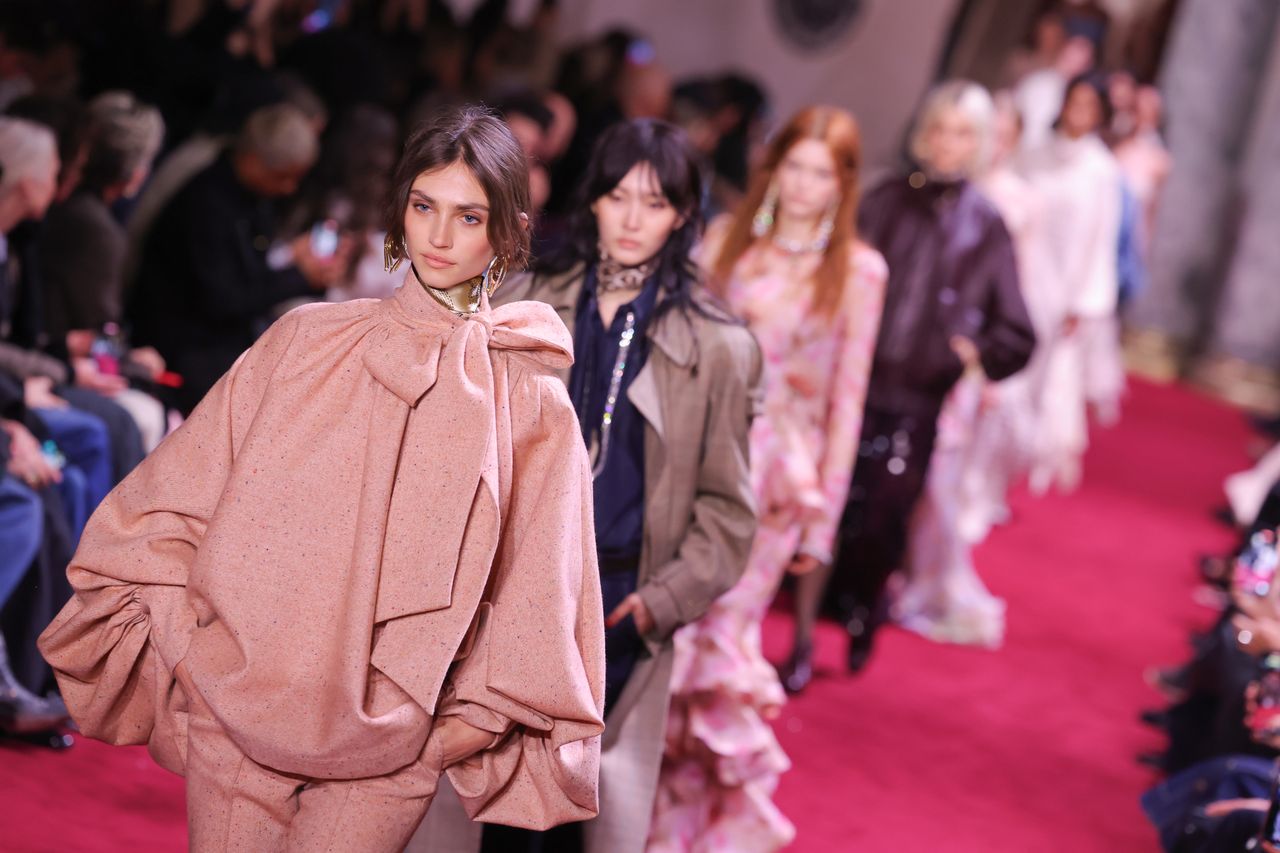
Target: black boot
(21,711)
(862,624)
(797,672)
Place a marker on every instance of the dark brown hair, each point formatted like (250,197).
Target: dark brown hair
(475,137)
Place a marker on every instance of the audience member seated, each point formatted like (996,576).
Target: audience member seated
(82,251)
(205,286)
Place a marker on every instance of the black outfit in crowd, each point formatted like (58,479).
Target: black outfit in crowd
(80,241)
(951,273)
(205,290)
(1212,755)
(1208,723)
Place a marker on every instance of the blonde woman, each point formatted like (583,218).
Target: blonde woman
(953,306)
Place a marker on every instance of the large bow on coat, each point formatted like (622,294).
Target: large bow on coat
(454,471)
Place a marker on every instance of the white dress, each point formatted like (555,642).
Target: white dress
(1079,184)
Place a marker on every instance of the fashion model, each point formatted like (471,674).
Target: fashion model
(367,557)
(788,262)
(663,385)
(952,305)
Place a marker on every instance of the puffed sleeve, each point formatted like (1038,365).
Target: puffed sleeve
(534,674)
(115,645)
(848,392)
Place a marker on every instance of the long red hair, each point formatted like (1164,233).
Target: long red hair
(839,130)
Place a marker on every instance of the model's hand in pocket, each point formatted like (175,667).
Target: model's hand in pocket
(458,740)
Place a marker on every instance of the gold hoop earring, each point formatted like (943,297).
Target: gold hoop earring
(392,256)
(493,277)
(762,222)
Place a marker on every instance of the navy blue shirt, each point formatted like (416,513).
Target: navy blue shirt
(619,483)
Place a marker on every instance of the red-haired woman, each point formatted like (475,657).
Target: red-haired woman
(790,264)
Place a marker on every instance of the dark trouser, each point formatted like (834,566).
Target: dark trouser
(622,643)
(38,596)
(888,479)
(622,649)
(84,440)
(21,532)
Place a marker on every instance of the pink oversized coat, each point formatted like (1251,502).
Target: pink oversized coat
(375,491)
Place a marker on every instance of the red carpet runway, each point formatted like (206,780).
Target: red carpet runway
(934,748)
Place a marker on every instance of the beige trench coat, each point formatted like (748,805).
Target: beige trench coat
(697,394)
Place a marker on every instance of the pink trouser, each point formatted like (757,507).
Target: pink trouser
(234,803)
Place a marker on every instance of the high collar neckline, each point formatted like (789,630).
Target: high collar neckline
(418,308)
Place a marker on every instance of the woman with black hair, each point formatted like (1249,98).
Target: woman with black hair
(663,383)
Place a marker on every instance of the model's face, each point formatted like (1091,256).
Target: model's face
(808,184)
(1122,89)
(1082,112)
(446,226)
(1050,36)
(635,219)
(951,143)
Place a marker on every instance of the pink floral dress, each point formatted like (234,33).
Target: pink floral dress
(722,762)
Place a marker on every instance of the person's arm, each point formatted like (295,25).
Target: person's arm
(115,645)
(714,552)
(25,364)
(533,675)
(848,392)
(1007,338)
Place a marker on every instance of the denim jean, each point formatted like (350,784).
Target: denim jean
(88,476)
(21,529)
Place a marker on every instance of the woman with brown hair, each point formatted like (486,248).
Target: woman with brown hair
(791,265)
(367,557)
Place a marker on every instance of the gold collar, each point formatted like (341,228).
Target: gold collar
(448,298)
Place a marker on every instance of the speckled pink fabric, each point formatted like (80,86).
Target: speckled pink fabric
(374,491)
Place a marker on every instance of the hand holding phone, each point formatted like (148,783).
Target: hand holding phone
(324,239)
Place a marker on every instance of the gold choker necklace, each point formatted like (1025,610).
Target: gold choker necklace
(448,299)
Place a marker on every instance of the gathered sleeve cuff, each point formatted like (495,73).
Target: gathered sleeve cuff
(534,673)
(116,643)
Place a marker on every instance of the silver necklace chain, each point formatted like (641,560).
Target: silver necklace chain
(615,386)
